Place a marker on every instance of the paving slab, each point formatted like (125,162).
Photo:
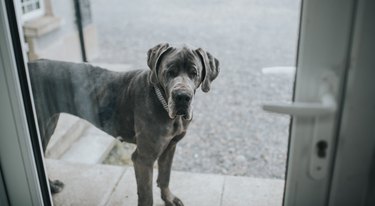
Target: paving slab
(84,184)
(245,191)
(191,188)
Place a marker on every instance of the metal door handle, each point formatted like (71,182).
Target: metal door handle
(324,114)
(327,106)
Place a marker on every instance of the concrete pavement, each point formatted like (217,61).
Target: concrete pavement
(97,184)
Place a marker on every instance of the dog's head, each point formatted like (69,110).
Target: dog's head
(179,72)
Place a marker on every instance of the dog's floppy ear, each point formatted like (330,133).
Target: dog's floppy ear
(153,59)
(210,69)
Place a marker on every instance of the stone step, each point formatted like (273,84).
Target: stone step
(91,148)
(97,184)
(84,184)
(68,130)
(76,140)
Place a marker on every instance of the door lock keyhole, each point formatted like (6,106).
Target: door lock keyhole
(322,148)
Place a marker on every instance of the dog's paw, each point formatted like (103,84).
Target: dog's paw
(177,202)
(56,186)
(172,201)
(169,198)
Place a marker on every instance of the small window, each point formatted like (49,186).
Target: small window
(32,9)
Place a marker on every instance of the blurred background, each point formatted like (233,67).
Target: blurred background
(254,40)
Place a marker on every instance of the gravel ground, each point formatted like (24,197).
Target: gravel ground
(230,134)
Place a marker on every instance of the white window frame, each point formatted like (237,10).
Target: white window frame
(35,13)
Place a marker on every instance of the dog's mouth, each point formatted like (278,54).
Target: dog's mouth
(180,110)
(185,115)
(183,111)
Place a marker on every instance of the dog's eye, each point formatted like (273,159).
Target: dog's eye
(172,73)
(193,73)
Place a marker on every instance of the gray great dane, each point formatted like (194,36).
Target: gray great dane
(150,108)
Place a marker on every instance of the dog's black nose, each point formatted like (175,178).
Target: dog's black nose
(181,97)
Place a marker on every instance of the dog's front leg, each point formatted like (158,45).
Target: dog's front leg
(143,167)
(165,165)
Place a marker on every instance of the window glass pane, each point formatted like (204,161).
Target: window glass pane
(85,107)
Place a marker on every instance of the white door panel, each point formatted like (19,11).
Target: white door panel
(324,45)
(325,35)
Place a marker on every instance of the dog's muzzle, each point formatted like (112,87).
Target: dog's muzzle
(180,104)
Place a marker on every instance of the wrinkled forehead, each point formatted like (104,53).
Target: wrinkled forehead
(181,57)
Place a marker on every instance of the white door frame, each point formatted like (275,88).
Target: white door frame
(18,163)
(353,180)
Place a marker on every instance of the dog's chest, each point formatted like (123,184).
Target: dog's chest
(178,126)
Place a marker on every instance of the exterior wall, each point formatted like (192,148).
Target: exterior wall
(62,42)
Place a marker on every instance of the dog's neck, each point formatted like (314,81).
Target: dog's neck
(161,98)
